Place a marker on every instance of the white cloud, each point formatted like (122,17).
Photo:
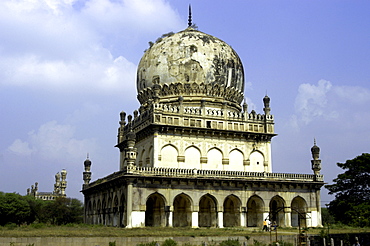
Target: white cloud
(327,102)
(312,100)
(53,45)
(53,141)
(20,147)
(353,94)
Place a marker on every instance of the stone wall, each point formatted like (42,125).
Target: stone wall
(133,241)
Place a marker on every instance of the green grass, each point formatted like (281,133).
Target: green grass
(82,230)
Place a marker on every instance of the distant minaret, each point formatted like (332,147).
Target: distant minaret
(63,182)
(87,173)
(57,184)
(316,162)
(266,103)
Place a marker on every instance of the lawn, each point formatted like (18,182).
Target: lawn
(40,230)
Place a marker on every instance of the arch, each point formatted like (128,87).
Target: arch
(255,207)
(192,157)
(214,159)
(155,213)
(277,213)
(169,155)
(100,212)
(149,158)
(231,215)
(182,211)
(115,214)
(89,213)
(122,212)
(299,210)
(207,216)
(236,158)
(257,160)
(141,159)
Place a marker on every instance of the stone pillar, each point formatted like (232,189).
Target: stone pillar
(170,217)
(129,205)
(138,219)
(194,219)
(288,217)
(243,216)
(220,219)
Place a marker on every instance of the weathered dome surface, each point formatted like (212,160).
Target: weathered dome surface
(194,58)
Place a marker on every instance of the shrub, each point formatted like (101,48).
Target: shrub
(230,242)
(169,242)
(154,243)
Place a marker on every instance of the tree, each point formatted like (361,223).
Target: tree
(14,209)
(352,192)
(64,210)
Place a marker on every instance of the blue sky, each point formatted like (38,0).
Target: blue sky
(67,68)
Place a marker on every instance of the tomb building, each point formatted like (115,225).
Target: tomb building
(193,155)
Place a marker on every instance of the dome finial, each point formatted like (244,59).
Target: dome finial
(189,19)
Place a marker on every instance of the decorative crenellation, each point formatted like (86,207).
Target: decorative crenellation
(213,90)
(201,173)
(177,114)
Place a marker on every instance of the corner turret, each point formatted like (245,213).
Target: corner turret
(87,172)
(316,162)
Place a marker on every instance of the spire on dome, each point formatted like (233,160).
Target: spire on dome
(189,19)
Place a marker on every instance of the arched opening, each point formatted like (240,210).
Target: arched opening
(207,216)
(99,213)
(257,162)
(115,214)
(231,215)
(277,213)
(298,214)
(122,212)
(149,160)
(192,157)
(154,213)
(169,156)
(89,213)
(182,211)
(236,158)
(214,159)
(255,212)
(140,159)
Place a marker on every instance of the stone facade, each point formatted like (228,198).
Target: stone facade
(192,154)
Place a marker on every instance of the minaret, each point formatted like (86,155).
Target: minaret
(316,162)
(87,173)
(63,182)
(130,150)
(266,103)
(57,184)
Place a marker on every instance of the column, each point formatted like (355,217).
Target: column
(220,219)
(194,219)
(288,217)
(129,205)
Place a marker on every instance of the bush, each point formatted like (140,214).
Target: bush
(230,242)
(258,243)
(169,242)
(11,226)
(154,243)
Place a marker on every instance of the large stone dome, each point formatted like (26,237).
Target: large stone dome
(190,59)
